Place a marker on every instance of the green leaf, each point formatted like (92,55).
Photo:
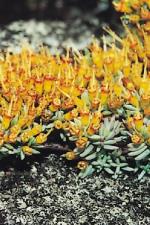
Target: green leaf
(143,155)
(133,147)
(98,149)
(35,151)
(32,141)
(14,121)
(111,123)
(94,137)
(118,139)
(15,151)
(22,155)
(141,175)
(97,143)
(72,138)
(9,146)
(63,137)
(137,152)
(110,142)
(88,171)
(85,97)
(110,135)
(92,156)
(125,132)
(110,147)
(107,113)
(108,170)
(87,151)
(3,149)
(50,125)
(130,107)
(128,169)
(117,171)
(120,111)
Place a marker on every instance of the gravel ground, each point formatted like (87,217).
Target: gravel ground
(46,190)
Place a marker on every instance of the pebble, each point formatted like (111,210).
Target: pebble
(2,173)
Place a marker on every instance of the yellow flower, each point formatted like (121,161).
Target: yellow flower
(95,103)
(47,84)
(147,111)
(1,138)
(75,91)
(95,126)
(122,6)
(56,102)
(22,120)
(1,142)
(115,103)
(134,101)
(148,141)
(68,104)
(82,165)
(12,138)
(130,86)
(41,138)
(55,105)
(68,116)
(117,89)
(65,126)
(97,58)
(6,119)
(146,26)
(78,102)
(25,136)
(58,124)
(145,14)
(104,97)
(27,150)
(85,117)
(15,129)
(134,18)
(126,70)
(138,124)
(74,130)
(81,142)
(53,108)
(130,122)
(136,4)
(70,155)
(90,130)
(36,130)
(136,139)
(145,101)
(39,86)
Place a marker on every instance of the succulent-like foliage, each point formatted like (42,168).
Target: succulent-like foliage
(103,151)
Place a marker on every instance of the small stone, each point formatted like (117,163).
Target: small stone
(6,196)
(33,169)
(2,173)
(62,223)
(107,189)
(21,204)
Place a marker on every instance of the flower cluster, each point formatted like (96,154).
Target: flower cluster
(135,10)
(98,98)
